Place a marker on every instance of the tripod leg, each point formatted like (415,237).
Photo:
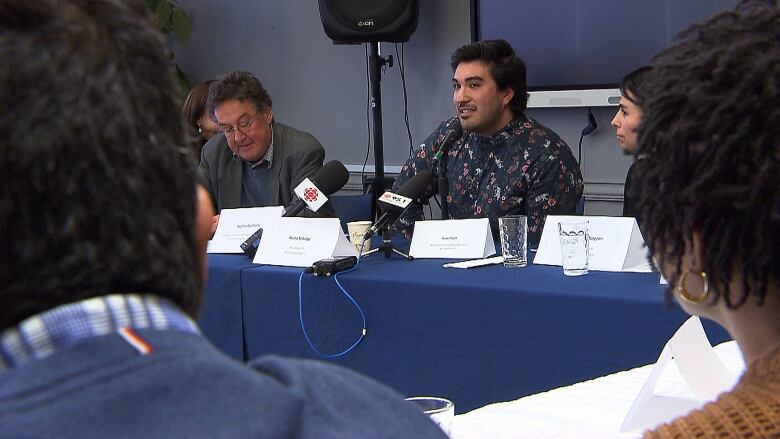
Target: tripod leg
(399,252)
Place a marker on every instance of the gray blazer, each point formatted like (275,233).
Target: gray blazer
(297,155)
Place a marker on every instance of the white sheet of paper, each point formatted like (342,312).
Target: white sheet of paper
(299,242)
(236,225)
(615,244)
(481,262)
(703,372)
(452,239)
(706,375)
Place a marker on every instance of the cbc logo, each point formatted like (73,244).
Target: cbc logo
(310,194)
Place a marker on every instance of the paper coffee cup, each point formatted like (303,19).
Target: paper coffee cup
(356,230)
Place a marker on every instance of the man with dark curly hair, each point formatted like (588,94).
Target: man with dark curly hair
(103,255)
(709,202)
(504,163)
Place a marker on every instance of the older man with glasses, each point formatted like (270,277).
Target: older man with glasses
(255,161)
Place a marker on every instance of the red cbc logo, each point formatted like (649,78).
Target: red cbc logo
(310,194)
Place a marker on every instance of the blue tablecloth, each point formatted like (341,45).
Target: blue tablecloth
(475,336)
(220,317)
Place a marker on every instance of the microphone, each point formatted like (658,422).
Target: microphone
(394,205)
(314,192)
(453,134)
(440,158)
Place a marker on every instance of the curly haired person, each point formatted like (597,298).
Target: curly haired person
(710,142)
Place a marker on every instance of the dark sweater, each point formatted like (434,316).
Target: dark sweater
(629,209)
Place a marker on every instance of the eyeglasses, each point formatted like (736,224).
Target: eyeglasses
(242,125)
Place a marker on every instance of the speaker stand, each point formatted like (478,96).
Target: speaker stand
(379,183)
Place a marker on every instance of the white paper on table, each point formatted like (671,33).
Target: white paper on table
(475,262)
(701,369)
(614,244)
(300,242)
(453,239)
(236,225)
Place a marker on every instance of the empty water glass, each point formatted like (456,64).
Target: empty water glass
(513,230)
(574,246)
(441,410)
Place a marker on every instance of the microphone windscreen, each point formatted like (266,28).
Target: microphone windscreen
(331,177)
(454,132)
(414,187)
(455,129)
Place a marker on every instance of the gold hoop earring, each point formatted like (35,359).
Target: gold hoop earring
(685,294)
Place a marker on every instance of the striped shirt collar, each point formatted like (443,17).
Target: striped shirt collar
(268,157)
(44,334)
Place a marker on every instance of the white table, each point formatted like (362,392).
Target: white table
(590,409)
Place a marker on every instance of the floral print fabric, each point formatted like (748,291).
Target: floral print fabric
(523,169)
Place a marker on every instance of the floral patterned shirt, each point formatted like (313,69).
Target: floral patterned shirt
(523,169)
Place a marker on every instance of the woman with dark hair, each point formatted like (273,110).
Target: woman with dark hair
(626,123)
(629,114)
(200,125)
(710,142)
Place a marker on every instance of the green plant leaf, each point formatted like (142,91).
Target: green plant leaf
(164,10)
(172,19)
(182,25)
(183,81)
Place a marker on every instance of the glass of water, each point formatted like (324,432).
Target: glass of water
(513,232)
(441,410)
(574,246)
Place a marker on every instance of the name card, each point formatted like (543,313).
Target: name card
(701,369)
(614,244)
(300,242)
(452,239)
(308,192)
(236,225)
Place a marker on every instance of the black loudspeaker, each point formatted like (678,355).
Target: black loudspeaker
(366,21)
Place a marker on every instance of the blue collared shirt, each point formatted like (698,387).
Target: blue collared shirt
(44,334)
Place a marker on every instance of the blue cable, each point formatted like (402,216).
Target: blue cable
(351,299)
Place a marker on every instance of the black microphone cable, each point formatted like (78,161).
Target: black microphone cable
(591,127)
(402,70)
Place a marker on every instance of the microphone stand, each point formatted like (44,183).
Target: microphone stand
(444,185)
(387,246)
(441,166)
